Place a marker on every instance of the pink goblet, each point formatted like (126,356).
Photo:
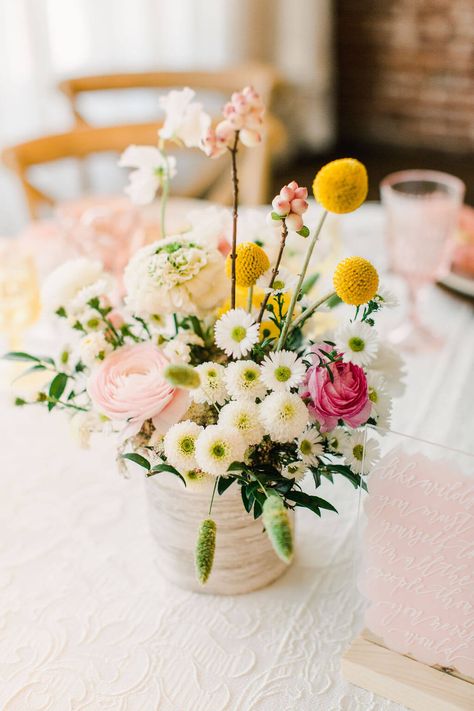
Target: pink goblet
(422,209)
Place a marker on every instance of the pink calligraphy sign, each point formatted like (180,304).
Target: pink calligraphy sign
(419,559)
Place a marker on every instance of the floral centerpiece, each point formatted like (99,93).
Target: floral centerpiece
(205,369)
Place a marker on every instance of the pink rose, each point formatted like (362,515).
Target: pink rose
(344,398)
(129,385)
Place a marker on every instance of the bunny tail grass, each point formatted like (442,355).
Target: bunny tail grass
(205,548)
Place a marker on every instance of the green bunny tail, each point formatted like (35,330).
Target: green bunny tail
(205,548)
(278,527)
(182,376)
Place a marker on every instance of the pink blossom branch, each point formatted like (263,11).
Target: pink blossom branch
(235,205)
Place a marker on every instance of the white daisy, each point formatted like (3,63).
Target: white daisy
(93,348)
(284,281)
(358,343)
(244,380)
(336,439)
(284,416)
(389,363)
(387,299)
(380,399)
(295,470)
(236,333)
(244,417)
(180,445)
(212,389)
(359,456)
(282,370)
(217,447)
(197,479)
(310,446)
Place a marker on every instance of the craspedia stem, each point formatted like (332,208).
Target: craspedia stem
(205,548)
(278,527)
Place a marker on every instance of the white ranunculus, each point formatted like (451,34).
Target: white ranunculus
(150,165)
(73,284)
(185,119)
(178,274)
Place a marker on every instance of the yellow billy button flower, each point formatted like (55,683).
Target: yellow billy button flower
(250,263)
(356,281)
(341,185)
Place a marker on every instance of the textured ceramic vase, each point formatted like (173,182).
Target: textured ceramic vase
(244,558)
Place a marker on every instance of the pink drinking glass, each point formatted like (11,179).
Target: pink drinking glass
(422,210)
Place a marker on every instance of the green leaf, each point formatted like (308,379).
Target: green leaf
(304,231)
(236,467)
(313,503)
(19,402)
(33,368)
(309,283)
(56,388)
(333,301)
(138,459)
(166,468)
(196,324)
(224,483)
(276,216)
(17,355)
(61,312)
(245,499)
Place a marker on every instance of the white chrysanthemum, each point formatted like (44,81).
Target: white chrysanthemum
(284,281)
(389,363)
(361,458)
(236,333)
(336,439)
(212,389)
(358,343)
(217,447)
(243,416)
(197,479)
(282,370)
(284,416)
(178,349)
(310,446)
(295,470)
(74,283)
(180,445)
(93,348)
(179,274)
(244,380)
(380,399)
(387,299)
(151,166)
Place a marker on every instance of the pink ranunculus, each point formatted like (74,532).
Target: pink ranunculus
(129,385)
(344,398)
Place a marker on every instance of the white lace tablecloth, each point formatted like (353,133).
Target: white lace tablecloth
(86,621)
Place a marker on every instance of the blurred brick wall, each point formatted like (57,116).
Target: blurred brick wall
(406,72)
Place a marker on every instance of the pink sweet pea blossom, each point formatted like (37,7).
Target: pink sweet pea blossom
(243,113)
(129,386)
(344,397)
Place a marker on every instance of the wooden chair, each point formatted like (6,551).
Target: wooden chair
(85,141)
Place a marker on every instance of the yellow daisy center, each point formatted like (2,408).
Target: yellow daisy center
(356,280)
(341,186)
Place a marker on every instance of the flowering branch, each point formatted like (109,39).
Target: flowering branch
(294,298)
(284,235)
(235,205)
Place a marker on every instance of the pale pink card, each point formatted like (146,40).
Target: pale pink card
(418,573)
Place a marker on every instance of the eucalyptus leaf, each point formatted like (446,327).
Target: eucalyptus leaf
(17,355)
(138,459)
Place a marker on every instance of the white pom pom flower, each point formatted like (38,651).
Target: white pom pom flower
(282,370)
(217,447)
(244,380)
(180,445)
(358,343)
(236,333)
(244,417)
(284,416)
(212,389)
(310,446)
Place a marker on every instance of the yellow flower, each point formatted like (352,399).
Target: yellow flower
(341,185)
(250,263)
(356,280)
(267,328)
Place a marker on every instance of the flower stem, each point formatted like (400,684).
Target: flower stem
(310,310)
(235,206)
(164,200)
(284,235)
(294,299)
(213,494)
(259,482)
(250,299)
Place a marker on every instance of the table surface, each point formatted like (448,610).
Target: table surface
(88,623)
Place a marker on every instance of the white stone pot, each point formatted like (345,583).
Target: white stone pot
(244,558)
